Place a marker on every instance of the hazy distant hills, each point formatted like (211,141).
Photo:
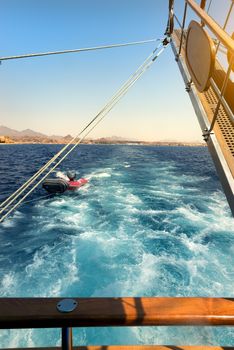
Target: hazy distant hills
(30,136)
(5,131)
(8,135)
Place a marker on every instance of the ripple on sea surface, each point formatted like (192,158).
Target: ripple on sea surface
(152,221)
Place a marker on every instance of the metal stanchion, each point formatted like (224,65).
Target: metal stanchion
(67,306)
(66,338)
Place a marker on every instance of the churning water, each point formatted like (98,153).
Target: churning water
(152,221)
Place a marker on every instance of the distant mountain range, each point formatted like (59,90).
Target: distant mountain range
(31,135)
(5,131)
(28,135)
(8,135)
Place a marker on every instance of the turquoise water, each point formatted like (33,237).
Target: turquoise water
(153,221)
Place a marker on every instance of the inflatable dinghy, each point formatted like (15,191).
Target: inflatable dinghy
(59,185)
(72,185)
(55,185)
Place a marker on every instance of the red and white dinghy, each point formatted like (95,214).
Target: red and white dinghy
(60,185)
(73,185)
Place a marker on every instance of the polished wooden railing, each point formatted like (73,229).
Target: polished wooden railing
(224,38)
(99,312)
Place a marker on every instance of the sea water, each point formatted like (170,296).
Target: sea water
(152,221)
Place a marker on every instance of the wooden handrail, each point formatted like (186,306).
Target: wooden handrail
(214,27)
(42,312)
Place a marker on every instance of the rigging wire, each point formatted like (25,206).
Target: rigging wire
(19,191)
(208,8)
(96,120)
(39,54)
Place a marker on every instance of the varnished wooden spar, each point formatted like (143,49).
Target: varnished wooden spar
(42,312)
(225,39)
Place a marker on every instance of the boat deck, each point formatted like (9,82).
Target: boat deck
(221,140)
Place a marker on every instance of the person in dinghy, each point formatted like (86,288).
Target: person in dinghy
(73,183)
(60,185)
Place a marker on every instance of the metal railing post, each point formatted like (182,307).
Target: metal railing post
(66,306)
(66,338)
(221,94)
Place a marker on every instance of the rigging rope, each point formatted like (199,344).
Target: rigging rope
(208,8)
(39,54)
(96,120)
(37,174)
(17,193)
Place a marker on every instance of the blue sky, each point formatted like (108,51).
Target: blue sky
(59,94)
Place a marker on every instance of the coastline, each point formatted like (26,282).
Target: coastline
(28,136)
(160,144)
